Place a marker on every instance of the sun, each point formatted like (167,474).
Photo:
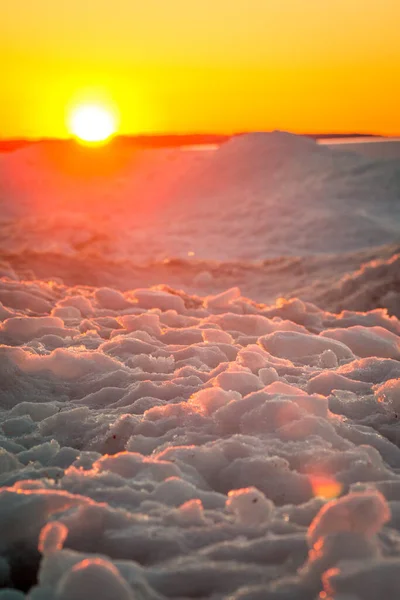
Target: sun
(92,123)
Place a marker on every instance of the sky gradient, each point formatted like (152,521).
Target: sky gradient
(202,65)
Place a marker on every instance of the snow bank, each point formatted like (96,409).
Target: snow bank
(273,212)
(275,193)
(158,445)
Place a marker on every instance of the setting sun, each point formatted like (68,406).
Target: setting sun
(91,123)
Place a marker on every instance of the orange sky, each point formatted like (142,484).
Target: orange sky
(202,65)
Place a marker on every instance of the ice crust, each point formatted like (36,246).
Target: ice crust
(160,445)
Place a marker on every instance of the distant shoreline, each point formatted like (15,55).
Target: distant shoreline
(173,140)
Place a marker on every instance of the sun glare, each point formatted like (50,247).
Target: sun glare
(325,487)
(92,124)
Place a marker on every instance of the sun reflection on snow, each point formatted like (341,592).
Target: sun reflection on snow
(325,487)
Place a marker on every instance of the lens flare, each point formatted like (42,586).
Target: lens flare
(325,487)
(92,124)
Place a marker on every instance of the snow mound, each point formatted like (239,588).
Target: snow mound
(275,193)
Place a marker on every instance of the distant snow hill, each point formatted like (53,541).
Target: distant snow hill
(256,196)
(277,193)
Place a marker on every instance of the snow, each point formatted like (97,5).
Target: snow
(154,453)
(363,513)
(172,437)
(96,578)
(250,506)
(143,217)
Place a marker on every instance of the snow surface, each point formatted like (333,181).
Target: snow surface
(274,193)
(275,213)
(182,440)
(161,445)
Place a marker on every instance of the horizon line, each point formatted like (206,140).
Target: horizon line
(197,134)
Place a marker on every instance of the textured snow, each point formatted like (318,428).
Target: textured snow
(157,445)
(162,435)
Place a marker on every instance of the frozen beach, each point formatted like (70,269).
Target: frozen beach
(200,372)
(275,213)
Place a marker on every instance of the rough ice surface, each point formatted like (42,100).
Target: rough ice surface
(187,441)
(158,445)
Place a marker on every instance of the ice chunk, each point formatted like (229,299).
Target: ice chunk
(23,328)
(253,357)
(18,426)
(52,537)
(278,387)
(149,322)
(257,325)
(217,336)
(292,344)
(250,506)
(359,512)
(211,399)
(63,363)
(21,299)
(328,360)
(268,375)
(37,412)
(325,383)
(158,299)
(367,341)
(93,578)
(126,464)
(42,453)
(79,302)
(66,313)
(190,514)
(112,299)
(389,393)
(238,381)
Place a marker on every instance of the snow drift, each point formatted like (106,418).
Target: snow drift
(276,213)
(274,193)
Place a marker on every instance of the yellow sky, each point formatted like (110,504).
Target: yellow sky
(202,65)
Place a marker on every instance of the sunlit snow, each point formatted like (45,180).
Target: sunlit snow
(172,426)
